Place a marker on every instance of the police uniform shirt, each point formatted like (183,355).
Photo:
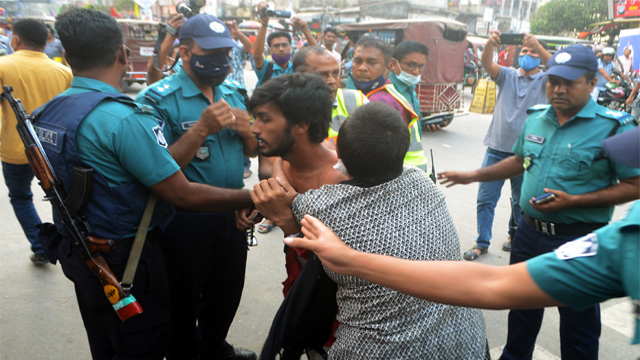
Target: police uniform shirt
(129,146)
(179,102)
(277,70)
(564,158)
(595,268)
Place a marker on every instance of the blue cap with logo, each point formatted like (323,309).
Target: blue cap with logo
(207,31)
(572,62)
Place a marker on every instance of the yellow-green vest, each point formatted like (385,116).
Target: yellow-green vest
(348,101)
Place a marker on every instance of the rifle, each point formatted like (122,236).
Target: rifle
(68,209)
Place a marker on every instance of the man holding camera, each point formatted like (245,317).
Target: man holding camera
(205,253)
(279,47)
(519,89)
(559,152)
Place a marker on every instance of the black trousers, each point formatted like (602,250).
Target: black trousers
(206,257)
(143,336)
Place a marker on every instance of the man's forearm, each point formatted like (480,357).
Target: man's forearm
(187,145)
(310,39)
(620,193)
(505,169)
(258,47)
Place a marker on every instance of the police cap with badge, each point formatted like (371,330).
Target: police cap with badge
(572,62)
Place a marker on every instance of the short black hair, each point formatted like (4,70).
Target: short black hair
(330,29)
(90,38)
(409,47)
(373,142)
(277,34)
(370,41)
(302,98)
(32,32)
(299,61)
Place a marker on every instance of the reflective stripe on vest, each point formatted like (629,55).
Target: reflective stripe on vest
(348,101)
(415,154)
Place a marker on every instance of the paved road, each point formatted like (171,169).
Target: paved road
(38,311)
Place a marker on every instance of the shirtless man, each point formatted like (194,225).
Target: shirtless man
(292,115)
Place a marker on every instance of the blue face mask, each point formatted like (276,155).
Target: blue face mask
(528,62)
(366,86)
(409,79)
(212,69)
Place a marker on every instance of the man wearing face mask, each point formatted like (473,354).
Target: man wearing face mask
(519,89)
(368,74)
(206,255)
(409,59)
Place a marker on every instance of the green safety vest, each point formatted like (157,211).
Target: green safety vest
(348,101)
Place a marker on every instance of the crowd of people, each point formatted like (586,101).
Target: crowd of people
(343,174)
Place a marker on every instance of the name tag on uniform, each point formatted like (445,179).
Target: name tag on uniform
(535,138)
(188,125)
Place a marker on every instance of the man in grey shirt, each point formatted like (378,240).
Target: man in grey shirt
(519,89)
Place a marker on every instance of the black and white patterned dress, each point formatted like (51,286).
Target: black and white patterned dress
(406,218)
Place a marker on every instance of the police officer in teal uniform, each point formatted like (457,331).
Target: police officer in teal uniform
(559,151)
(206,254)
(93,125)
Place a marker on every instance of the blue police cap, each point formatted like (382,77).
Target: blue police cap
(624,148)
(572,62)
(207,31)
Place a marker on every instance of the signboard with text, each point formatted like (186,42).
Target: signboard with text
(626,8)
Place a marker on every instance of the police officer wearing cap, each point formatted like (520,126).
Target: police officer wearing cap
(92,125)
(206,255)
(559,152)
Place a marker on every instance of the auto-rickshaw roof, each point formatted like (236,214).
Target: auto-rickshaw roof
(396,24)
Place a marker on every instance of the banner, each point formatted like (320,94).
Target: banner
(626,8)
(484,98)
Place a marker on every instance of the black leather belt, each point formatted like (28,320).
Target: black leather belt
(562,229)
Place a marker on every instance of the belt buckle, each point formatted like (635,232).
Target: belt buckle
(547,228)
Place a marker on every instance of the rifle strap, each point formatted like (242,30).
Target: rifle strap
(138,244)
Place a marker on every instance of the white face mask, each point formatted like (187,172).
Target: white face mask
(408,78)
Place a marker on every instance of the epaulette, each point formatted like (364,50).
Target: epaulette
(622,117)
(233,88)
(145,109)
(538,107)
(156,92)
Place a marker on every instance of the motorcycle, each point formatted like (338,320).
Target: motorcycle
(471,76)
(614,96)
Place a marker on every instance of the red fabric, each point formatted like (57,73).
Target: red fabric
(114,13)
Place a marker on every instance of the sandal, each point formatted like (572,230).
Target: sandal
(471,254)
(265,226)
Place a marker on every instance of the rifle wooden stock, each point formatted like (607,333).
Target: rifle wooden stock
(87,247)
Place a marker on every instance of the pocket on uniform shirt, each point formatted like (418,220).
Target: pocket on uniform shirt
(577,165)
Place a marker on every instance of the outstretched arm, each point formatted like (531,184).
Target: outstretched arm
(476,285)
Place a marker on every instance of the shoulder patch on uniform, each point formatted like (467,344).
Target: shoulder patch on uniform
(156,92)
(538,107)
(581,247)
(157,131)
(622,117)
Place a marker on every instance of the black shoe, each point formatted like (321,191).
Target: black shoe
(238,354)
(38,259)
(507,246)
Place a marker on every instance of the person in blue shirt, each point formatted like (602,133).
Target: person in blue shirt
(206,254)
(93,125)
(559,153)
(605,69)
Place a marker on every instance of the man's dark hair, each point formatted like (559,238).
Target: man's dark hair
(589,75)
(299,61)
(409,47)
(330,29)
(90,38)
(278,34)
(373,142)
(302,98)
(370,41)
(32,32)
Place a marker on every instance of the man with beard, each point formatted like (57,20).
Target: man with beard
(368,74)
(206,253)
(559,151)
(93,125)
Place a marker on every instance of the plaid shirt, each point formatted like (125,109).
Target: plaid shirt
(237,64)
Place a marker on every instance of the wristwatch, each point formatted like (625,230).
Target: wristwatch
(171,30)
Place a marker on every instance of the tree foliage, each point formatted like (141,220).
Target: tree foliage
(567,17)
(123,5)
